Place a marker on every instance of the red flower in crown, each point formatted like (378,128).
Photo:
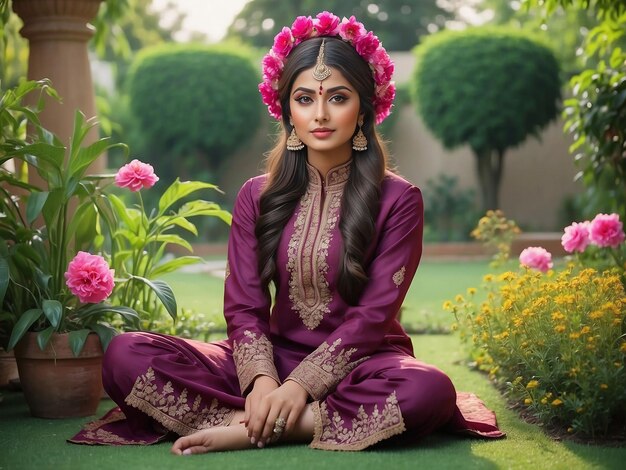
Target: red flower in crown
(366,44)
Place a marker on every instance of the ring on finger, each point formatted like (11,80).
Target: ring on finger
(279,427)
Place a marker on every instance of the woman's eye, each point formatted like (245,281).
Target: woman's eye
(338,99)
(304,99)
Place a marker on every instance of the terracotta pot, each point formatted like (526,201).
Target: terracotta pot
(8,367)
(55,383)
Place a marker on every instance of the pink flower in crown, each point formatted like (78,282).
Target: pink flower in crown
(367,45)
(576,237)
(302,28)
(382,65)
(89,278)
(326,24)
(606,230)
(351,30)
(385,95)
(537,258)
(270,99)
(272,67)
(283,43)
(135,176)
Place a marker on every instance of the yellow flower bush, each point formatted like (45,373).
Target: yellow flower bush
(556,340)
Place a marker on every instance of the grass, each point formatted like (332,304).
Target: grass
(27,442)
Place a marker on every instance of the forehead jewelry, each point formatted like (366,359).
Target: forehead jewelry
(321,71)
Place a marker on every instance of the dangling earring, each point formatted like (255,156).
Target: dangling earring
(359,141)
(293,142)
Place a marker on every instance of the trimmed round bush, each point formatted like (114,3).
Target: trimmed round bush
(193,103)
(488,88)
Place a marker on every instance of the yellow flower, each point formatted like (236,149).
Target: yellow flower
(596,314)
(459,299)
(544,401)
(471,291)
(507,304)
(574,335)
(488,277)
(528,401)
(447,305)
(603,386)
(556,316)
(454,327)
(532,384)
(507,276)
(622,348)
(585,330)
(570,430)
(557,402)
(559,328)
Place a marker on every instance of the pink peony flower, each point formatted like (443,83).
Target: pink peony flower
(136,175)
(367,45)
(606,230)
(302,28)
(351,30)
(283,43)
(272,67)
(270,99)
(89,278)
(326,24)
(576,237)
(537,258)
(382,66)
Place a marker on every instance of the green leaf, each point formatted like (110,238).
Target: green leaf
(97,310)
(77,340)
(43,337)
(87,155)
(163,291)
(4,276)
(25,321)
(53,310)
(175,264)
(174,240)
(78,133)
(105,333)
(179,190)
(34,205)
(122,213)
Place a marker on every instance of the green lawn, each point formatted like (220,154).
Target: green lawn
(27,442)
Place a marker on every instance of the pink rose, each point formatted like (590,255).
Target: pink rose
(89,278)
(576,237)
(382,65)
(326,24)
(606,230)
(272,67)
(537,258)
(351,30)
(367,45)
(270,99)
(302,28)
(136,175)
(283,43)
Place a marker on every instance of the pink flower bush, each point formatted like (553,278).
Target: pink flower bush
(576,237)
(537,258)
(606,230)
(136,175)
(89,278)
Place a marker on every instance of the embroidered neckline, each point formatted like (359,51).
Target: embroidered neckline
(335,178)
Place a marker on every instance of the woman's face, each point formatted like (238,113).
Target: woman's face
(324,123)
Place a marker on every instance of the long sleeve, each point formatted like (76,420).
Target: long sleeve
(246,301)
(365,325)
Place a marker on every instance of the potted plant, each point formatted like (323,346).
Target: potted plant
(72,230)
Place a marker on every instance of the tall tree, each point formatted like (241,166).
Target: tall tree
(398,23)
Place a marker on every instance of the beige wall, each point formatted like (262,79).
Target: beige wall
(537,176)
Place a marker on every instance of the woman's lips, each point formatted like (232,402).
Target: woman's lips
(322,133)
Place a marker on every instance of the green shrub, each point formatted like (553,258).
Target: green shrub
(195,106)
(556,341)
(488,88)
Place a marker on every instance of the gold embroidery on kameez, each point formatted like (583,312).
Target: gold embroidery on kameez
(94,435)
(398,277)
(324,368)
(252,358)
(307,251)
(366,430)
(173,412)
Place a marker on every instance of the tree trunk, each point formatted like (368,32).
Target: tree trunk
(489,166)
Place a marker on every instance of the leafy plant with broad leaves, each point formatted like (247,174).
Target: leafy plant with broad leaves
(138,242)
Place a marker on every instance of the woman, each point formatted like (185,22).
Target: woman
(340,239)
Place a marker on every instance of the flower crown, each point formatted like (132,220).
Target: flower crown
(366,44)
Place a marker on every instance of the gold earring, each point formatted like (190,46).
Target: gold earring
(359,141)
(293,142)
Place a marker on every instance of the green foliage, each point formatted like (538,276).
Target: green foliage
(138,242)
(497,233)
(398,23)
(195,105)
(555,342)
(450,213)
(489,88)
(13,48)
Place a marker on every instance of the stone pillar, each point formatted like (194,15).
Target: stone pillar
(58,32)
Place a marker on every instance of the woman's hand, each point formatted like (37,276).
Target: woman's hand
(286,402)
(263,386)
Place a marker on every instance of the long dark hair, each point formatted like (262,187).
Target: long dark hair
(288,177)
